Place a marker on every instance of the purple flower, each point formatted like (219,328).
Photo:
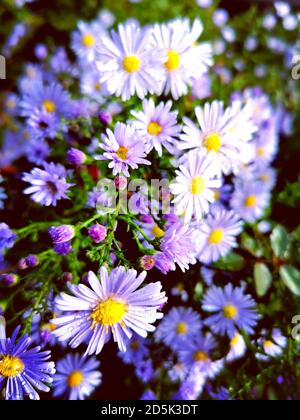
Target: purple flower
(144,370)
(63,233)
(9,280)
(7,237)
(32,260)
(63,248)
(105,117)
(97,233)
(76,156)
(163,263)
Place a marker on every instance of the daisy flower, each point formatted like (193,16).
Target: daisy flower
(225,133)
(179,246)
(23,369)
(178,326)
(112,306)
(137,350)
(185,59)
(250,201)
(237,348)
(157,125)
(266,148)
(124,148)
(7,237)
(232,310)
(272,347)
(90,85)
(127,63)
(217,235)
(194,184)
(48,185)
(85,40)
(77,377)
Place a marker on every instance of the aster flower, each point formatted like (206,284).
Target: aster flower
(103,199)
(137,350)
(179,245)
(77,377)
(237,348)
(217,235)
(7,237)
(225,133)
(91,87)
(127,63)
(266,146)
(194,184)
(250,201)
(85,40)
(157,125)
(43,125)
(144,370)
(272,347)
(178,326)
(23,369)
(62,233)
(48,185)
(234,310)
(37,151)
(113,305)
(185,59)
(124,148)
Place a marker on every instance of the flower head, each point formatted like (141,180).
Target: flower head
(7,237)
(86,39)
(250,201)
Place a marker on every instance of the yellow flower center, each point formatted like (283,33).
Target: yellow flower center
(181,328)
(131,64)
(158,232)
(213,142)
(135,345)
(217,195)
(75,379)
(154,129)
(265,178)
(97,87)
(49,106)
(49,327)
(88,40)
(230,312)
(200,356)
(250,201)
(108,313)
(26,135)
(216,236)
(235,340)
(122,153)
(173,61)
(198,185)
(261,151)
(10,366)
(268,344)
(31,73)
(11,104)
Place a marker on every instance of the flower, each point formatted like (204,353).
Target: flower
(237,348)
(7,237)
(76,377)
(48,185)
(63,248)
(103,198)
(9,280)
(157,125)
(62,233)
(144,370)
(250,201)
(97,233)
(114,305)
(85,40)
(178,326)
(224,133)
(217,235)
(37,151)
(22,369)
(194,184)
(272,347)
(76,156)
(137,350)
(233,310)
(147,262)
(127,63)
(91,87)
(32,260)
(184,59)
(179,245)
(124,148)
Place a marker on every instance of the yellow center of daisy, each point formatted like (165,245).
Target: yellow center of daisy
(200,356)
(213,142)
(250,201)
(230,312)
(181,328)
(49,106)
(135,345)
(75,379)
(261,151)
(265,178)
(268,344)
(11,104)
(122,153)
(26,135)
(88,40)
(154,129)
(216,236)
(98,87)
(235,340)
(49,327)
(131,64)
(31,73)
(10,366)
(217,195)
(108,313)
(198,185)
(158,232)
(173,61)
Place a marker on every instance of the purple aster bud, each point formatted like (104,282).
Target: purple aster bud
(67,277)
(9,280)
(60,234)
(105,117)
(97,233)
(147,262)
(41,51)
(146,218)
(32,261)
(76,156)
(22,264)
(63,248)
(120,182)
(85,278)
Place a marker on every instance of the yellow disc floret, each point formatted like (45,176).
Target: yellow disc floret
(122,152)
(230,312)
(216,237)
(200,356)
(158,232)
(181,328)
(49,106)
(173,61)
(198,185)
(109,312)
(213,142)
(75,379)
(154,129)
(88,40)
(10,366)
(250,201)
(131,64)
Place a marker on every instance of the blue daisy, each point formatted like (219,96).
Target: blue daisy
(137,350)
(76,377)
(233,310)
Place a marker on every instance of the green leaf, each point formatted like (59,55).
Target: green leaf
(198,292)
(232,262)
(263,279)
(279,241)
(291,278)
(252,245)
